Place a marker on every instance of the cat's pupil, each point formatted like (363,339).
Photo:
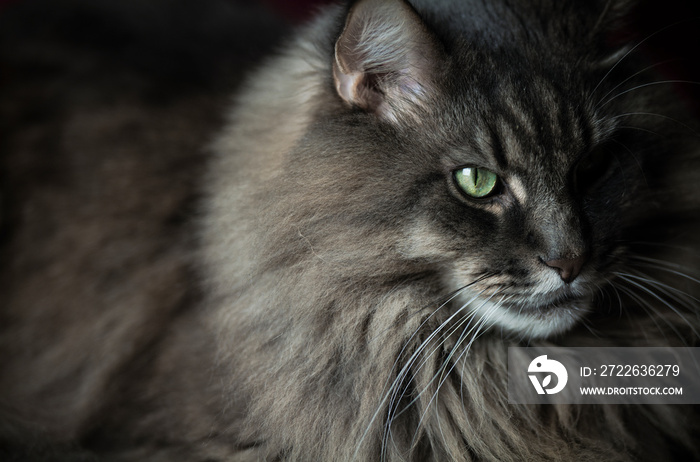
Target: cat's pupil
(476,182)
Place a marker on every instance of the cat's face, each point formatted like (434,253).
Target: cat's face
(507,170)
(532,199)
(529,206)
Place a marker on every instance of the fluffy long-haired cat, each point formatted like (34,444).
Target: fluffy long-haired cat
(335,270)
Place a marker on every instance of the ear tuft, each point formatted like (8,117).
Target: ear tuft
(385,58)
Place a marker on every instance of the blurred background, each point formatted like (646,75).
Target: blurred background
(231,34)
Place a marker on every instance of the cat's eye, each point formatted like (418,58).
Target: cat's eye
(476,182)
(592,168)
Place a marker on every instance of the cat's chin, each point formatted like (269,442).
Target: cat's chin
(530,322)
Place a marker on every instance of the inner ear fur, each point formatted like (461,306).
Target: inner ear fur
(385,59)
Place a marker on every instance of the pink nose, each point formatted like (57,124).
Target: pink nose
(569,268)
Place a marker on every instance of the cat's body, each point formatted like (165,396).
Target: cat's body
(320,300)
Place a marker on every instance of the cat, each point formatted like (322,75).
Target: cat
(404,191)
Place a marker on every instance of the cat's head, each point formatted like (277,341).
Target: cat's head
(495,152)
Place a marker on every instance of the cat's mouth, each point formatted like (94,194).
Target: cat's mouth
(547,316)
(553,302)
(533,317)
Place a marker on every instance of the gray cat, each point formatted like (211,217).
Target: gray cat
(402,193)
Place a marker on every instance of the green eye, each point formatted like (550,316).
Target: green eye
(476,182)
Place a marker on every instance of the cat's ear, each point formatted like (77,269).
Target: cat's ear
(385,59)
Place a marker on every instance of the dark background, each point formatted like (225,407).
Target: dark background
(674,27)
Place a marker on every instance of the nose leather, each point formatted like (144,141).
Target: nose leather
(569,268)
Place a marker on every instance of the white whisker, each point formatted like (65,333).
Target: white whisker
(425,343)
(672,292)
(667,267)
(653,114)
(633,76)
(393,388)
(485,317)
(644,85)
(626,277)
(630,51)
(644,305)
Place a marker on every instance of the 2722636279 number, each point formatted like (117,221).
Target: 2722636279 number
(639,370)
